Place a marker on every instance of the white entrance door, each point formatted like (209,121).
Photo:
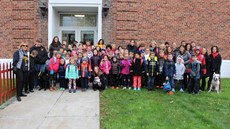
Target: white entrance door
(80,35)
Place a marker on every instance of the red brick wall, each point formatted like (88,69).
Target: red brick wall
(21,21)
(205,22)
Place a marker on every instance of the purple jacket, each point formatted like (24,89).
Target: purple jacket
(125,66)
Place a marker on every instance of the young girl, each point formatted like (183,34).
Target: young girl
(115,72)
(98,79)
(53,68)
(84,73)
(151,70)
(95,59)
(125,71)
(160,77)
(105,67)
(61,73)
(72,74)
(180,69)
(137,67)
(101,44)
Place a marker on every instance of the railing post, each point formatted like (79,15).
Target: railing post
(1,84)
(4,82)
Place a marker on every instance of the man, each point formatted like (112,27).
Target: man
(40,60)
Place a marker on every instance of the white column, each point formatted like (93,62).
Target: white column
(50,21)
(99,22)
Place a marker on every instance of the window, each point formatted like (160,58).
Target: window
(78,20)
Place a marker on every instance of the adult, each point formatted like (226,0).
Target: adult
(98,79)
(215,61)
(189,48)
(207,66)
(20,68)
(55,45)
(186,57)
(131,46)
(39,61)
(153,47)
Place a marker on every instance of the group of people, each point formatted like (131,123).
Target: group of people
(79,65)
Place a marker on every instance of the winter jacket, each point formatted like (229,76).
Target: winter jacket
(115,68)
(201,58)
(54,64)
(84,70)
(61,71)
(125,66)
(195,67)
(161,62)
(95,61)
(169,68)
(180,69)
(71,72)
(131,48)
(32,64)
(152,67)
(54,46)
(186,57)
(215,63)
(18,58)
(42,54)
(137,67)
(208,64)
(105,67)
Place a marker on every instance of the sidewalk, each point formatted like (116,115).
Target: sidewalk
(53,110)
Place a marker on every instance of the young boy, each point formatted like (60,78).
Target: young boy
(151,70)
(33,55)
(170,70)
(160,77)
(194,67)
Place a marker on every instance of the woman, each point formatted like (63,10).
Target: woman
(98,79)
(188,47)
(55,45)
(186,57)
(215,61)
(207,66)
(20,68)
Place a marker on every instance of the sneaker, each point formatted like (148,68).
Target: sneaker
(130,88)
(134,88)
(74,91)
(124,88)
(161,87)
(70,91)
(138,89)
(55,88)
(117,87)
(173,90)
(181,90)
(112,87)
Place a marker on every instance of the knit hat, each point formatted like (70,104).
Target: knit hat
(84,59)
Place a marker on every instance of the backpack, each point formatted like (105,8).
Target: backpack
(167,86)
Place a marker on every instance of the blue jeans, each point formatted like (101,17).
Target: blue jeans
(151,82)
(171,81)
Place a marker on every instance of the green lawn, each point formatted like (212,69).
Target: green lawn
(128,109)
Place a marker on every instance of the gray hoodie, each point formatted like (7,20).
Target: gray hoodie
(180,68)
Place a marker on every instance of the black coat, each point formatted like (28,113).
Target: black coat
(42,54)
(215,63)
(32,64)
(137,67)
(132,48)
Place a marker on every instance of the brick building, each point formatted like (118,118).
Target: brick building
(205,22)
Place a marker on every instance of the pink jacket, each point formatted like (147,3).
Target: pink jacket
(54,65)
(125,66)
(105,67)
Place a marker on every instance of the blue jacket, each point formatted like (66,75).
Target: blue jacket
(169,68)
(195,67)
(71,72)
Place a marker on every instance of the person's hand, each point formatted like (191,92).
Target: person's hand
(51,72)
(174,75)
(147,74)
(157,73)
(167,78)
(14,70)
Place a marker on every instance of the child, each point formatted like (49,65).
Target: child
(98,79)
(72,74)
(53,68)
(115,72)
(180,69)
(61,73)
(160,77)
(151,70)
(125,72)
(105,67)
(137,67)
(84,73)
(67,58)
(33,55)
(194,67)
(101,44)
(95,59)
(170,70)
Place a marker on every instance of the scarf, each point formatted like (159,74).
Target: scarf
(214,55)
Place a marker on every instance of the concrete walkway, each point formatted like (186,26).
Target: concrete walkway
(53,110)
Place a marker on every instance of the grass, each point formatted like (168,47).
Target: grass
(128,109)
